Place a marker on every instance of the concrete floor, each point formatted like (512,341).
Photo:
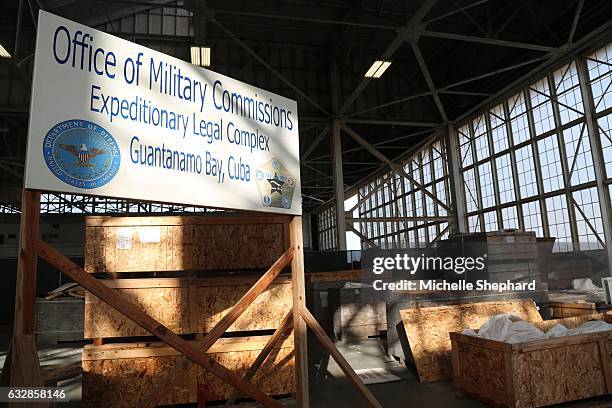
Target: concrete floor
(329,387)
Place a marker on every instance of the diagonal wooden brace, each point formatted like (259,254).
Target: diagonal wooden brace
(134,313)
(228,319)
(333,351)
(285,326)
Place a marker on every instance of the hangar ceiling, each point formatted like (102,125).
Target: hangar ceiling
(448,57)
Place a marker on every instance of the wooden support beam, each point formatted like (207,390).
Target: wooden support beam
(134,313)
(285,326)
(228,319)
(300,378)
(333,351)
(25,368)
(25,287)
(25,295)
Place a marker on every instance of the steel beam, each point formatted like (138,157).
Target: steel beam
(446,88)
(395,167)
(456,179)
(307,20)
(392,219)
(211,17)
(550,59)
(598,159)
(390,122)
(315,142)
(428,79)
(361,236)
(459,10)
(488,41)
(570,39)
(339,186)
(391,49)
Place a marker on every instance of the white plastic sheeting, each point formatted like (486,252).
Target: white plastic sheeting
(510,328)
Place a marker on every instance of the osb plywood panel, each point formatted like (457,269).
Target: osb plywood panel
(221,243)
(565,373)
(427,330)
(483,368)
(237,246)
(126,382)
(266,312)
(169,306)
(274,377)
(112,378)
(187,305)
(104,251)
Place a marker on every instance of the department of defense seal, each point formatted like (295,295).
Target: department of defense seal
(81,153)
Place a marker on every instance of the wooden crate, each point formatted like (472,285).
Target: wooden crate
(359,314)
(560,310)
(427,331)
(60,319)
(535,373)
(122,375)
(153,244)
(187,305)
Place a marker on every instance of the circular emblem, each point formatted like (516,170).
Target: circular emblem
(286,202)
(81,153)
(267,200)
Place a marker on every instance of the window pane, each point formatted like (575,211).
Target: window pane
(588,219)
(599,65)
(490,221)
(543,119)
(474,223)
(568,93)
(465,146)
(605,135)
(552,174)
(533,217)
(497,119)
(471,191)
(481,141)
(505,179)
(509,218)
(556,210)
(526,172)
(578,151)
(486,185)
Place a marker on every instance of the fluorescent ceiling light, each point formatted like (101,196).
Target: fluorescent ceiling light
(377,69)
(200,56)
(4,53)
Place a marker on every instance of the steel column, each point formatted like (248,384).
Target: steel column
(598,161)
(339,186)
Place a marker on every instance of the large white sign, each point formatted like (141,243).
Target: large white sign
(111,118)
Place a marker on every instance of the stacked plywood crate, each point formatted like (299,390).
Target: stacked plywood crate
(535,373)
(186,272)
(511,255)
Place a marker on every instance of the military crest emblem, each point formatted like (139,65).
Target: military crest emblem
(81,153)
(275,184)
